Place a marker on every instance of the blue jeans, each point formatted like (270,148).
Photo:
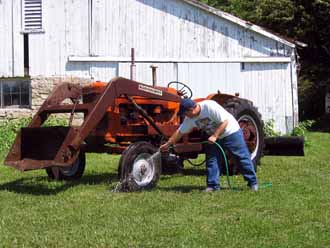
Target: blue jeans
(236,145)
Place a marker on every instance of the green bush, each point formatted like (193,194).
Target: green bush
(269,129)
(9,129)
(55,121)
(301,130)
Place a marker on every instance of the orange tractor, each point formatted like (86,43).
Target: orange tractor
(122,117)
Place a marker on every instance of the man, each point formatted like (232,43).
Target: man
(223,128)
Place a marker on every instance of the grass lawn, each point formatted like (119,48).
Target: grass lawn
(295,212)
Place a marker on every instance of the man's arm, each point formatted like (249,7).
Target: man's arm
(221,128)
(171,141)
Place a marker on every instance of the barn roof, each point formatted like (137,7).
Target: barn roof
(240,22)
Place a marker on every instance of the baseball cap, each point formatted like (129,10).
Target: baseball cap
(185,105)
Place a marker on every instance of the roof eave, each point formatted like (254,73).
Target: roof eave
(238,21)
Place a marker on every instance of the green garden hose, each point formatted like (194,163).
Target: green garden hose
(230,184)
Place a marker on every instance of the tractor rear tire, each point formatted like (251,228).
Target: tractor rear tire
(136,171)
(251,124)
(71,173)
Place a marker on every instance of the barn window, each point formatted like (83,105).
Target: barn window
(32,16)
(15,93)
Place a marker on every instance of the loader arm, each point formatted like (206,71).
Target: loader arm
(117,87)
(58,95)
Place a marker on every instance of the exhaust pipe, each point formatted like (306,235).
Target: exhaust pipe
(154,75)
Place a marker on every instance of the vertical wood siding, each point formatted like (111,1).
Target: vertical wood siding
(294,92)
(11,39)
(155,28)
(170,29)
(66,32)
(269,87)
(207,78)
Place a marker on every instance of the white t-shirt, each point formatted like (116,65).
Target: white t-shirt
(209,119)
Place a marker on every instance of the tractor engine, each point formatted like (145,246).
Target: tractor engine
(125,121)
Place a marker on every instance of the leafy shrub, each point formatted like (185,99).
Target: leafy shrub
(269,129)
(9,129)
(301,130)
(55,121)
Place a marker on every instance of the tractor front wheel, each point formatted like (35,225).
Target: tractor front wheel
(70,173)
(138,168)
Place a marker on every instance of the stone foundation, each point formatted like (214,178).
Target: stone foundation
(16,113)
(40,89)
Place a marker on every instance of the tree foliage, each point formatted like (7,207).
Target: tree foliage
(303,20)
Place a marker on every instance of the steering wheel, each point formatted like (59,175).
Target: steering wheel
(183,89)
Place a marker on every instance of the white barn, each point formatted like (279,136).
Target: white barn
(46,41)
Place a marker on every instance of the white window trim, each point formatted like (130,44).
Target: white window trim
(177,60)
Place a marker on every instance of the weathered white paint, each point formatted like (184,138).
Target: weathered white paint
(160,31)
(65,23)
(11,40)
(207,49)
(269,87)
(294,89)
(205,79)
(172,29)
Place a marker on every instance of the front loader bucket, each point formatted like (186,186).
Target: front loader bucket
(36,148)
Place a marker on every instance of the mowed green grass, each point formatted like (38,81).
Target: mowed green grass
(295,212)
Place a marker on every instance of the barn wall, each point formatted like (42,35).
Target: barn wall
(269,87)
(11,39)
(65,23)
(168,29)
(171,33)
(172,29)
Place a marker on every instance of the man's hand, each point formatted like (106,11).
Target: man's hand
(165,147)
(212,139)
(220,129)
(171,141)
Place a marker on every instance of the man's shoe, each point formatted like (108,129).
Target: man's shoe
(210,189)
(254,187)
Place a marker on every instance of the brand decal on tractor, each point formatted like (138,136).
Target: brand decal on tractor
(150,90)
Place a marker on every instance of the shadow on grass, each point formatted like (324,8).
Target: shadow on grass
(181,188)
(190,188)
(184,172)
(194,172)
(43,186)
